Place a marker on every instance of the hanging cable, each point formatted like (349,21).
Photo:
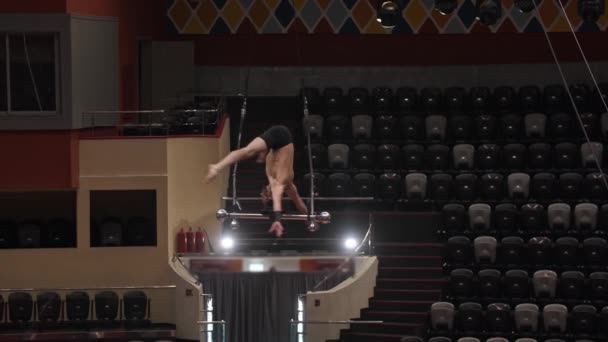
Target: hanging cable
(29,67)
(565,82)
(580,49)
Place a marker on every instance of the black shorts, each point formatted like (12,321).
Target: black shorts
(276,137)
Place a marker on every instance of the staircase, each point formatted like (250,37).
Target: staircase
(409,280)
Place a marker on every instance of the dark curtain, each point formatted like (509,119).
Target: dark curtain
(258,306)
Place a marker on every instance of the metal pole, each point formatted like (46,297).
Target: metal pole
(291,333)
(324,217)
(332,199)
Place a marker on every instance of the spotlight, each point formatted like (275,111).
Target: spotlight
(234,224)
(350,243)
(526,6)
(445,7)
(590,10)
(489,12)
(227,242)
(388,13)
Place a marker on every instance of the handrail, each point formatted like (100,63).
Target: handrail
(336,322)
(151,111)
(345,199)
(36,289)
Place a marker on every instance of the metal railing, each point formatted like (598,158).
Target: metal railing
(295,336)
(48,289)
(222,331)
(333,199)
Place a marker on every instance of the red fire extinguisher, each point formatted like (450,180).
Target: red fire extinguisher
(182,242)
(200,241)
(190,241)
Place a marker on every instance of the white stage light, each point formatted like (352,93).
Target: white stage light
(227,242)
(350,243)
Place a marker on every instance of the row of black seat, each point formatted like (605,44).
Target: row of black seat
(459,127)
(493,339)
(50,310)
(466,187)
(56,232)
(515,156)
(551,98)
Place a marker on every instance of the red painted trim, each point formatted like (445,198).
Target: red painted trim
(33,6)
(385,50)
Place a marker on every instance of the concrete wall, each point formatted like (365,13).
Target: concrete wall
(342,302)
(287,81)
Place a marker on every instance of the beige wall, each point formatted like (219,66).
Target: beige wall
(174,168)
(343,302)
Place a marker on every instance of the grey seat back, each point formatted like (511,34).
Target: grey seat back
(485,249)
(464,156)
(415,185)
(519,185)
(313,124)
(555,317)
(535,125)
(526,317)
(558,216)
(545,283)
(590,151)
(337,156)
(479,216)
(362,126)
(585,216)
(435,127)
(442,315)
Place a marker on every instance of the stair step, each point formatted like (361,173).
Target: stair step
(409,260)
(410,272)
(410,284)
(401,305)
(407,294)
(373,337)
(387,328)
(394,316)
(409,248)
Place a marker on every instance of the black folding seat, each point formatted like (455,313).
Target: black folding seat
(602,321)
(585,217)
(511,250)
(364,156)
(437,157)
(516,284)
(488,157)
(386,127)
(29,234)
(20,307)
(415,186)
(511,126)
(461,283)
(8,233)
(58,233)
(388,157)
(135,307)
(48,305)
(554,98)
(583,319)
(470,317)
(485,127)
(498,318)
(604,123)
(459,126)
(518,186)
(358,100)
(435,127)
(600,96)
(560,125)
(540,251)
(339,185)
(338,156)
(598,284)
(594,249)
(460,250)
(566,251)
(570,185)
(413,157)
(454,217)
(558,217)
(532,217)
(337,127)
(465,187)
(364,185)
(566,156)
(362,127)
(455,99)
(514,156)
(430,100)
(571,285)
(543,186)
(480,216)
(535,125)
(441,187)
(389,186)
(603,219)
(506,217)
(555,318)
(440,339)
(442,316)
(333,100)
(106,305)
(592,154)
(594,186)
(319,180)
(481,99)
(318,153)
(539,156)
(529,98)
(504,98)
(489,283)
(313,125)
(412,127)
(590,123)
(77,306)
(406,99)
(581,96)
(382,97)
(492,186)
(463,156)
(544,283)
